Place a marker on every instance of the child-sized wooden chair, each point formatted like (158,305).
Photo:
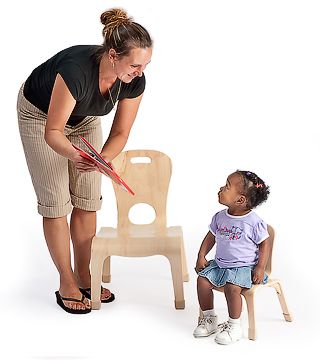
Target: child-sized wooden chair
(248,294)
(150,182)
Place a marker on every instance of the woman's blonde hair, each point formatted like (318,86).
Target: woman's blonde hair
(121,33)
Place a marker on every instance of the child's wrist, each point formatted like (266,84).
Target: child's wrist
(260,267)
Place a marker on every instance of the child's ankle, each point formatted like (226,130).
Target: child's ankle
(210,312)
(234,321)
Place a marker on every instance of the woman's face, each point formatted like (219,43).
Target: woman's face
(132,65)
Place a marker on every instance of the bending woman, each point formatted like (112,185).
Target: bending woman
(62,99)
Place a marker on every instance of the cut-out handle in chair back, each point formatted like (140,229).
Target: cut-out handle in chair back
(148,172)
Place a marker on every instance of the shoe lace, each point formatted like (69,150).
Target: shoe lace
(205,320)
(225,326)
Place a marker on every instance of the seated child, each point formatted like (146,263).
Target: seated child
(241,254)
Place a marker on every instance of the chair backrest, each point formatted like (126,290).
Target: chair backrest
(148,173)
(271,240)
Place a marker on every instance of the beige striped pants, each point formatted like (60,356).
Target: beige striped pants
(57,183)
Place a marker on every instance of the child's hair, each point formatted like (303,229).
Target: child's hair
(254,188)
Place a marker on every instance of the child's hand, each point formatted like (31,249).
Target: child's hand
(257,275)
(201,263)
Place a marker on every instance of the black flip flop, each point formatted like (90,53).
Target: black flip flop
(69,310)
(87,294)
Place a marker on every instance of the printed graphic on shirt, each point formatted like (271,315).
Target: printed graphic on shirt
(233,233)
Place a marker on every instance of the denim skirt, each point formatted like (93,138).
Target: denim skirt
(241,276)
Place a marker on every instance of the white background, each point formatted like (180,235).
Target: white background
(232,84)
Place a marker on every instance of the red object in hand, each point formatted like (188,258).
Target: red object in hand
(104,167)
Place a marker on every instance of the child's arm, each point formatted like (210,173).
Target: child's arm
(258,272)
(207,244)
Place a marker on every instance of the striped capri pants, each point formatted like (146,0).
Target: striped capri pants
(57,183)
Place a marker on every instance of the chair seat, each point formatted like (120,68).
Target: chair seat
(144,231)
(143,240)
(254,287)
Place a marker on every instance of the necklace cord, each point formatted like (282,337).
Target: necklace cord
(111,98)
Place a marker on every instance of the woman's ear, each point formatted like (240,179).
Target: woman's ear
(112,55)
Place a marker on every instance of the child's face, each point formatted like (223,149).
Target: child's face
(230,194)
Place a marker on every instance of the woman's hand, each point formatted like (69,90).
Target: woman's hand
(258,275)
(201,263)
(107,161)
(82,164)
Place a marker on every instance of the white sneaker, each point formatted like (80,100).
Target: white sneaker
(228,333)
(207,326)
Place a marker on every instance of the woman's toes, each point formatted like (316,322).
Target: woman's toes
(105,294)
(75,305)
(87,303)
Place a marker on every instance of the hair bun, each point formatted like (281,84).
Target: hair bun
(121,33)
(114,17)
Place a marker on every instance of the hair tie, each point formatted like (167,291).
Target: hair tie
(259,186)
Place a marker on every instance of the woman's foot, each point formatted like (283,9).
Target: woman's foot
(106,295)
(72,304)
(70,291)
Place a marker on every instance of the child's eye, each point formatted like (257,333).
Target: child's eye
(134,66)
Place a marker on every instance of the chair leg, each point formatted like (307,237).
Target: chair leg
(96,275)
(106,277)
(286,314)
(185,274)
(249,297)
(176,271)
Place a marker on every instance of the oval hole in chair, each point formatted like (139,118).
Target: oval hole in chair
(140,160)
(142,214)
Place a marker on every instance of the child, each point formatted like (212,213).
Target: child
(241,254)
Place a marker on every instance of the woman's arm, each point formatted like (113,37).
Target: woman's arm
(125,115)
(207,244)
(60,109)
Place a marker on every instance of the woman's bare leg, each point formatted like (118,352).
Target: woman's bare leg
(83,229)
(56,232)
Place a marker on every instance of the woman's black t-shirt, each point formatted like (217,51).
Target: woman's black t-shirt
(79,68)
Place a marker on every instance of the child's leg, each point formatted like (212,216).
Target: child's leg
(209,323)
(205,293)
(233,296)
(231,331)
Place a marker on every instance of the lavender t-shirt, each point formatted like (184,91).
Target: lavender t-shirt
(237,238)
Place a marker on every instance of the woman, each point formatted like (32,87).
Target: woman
(60,100)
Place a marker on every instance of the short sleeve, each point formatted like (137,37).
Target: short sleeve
(260,232)
(74,78)
(213,225)
(133,89)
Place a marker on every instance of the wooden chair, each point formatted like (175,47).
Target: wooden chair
(150,182)
(248,294)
